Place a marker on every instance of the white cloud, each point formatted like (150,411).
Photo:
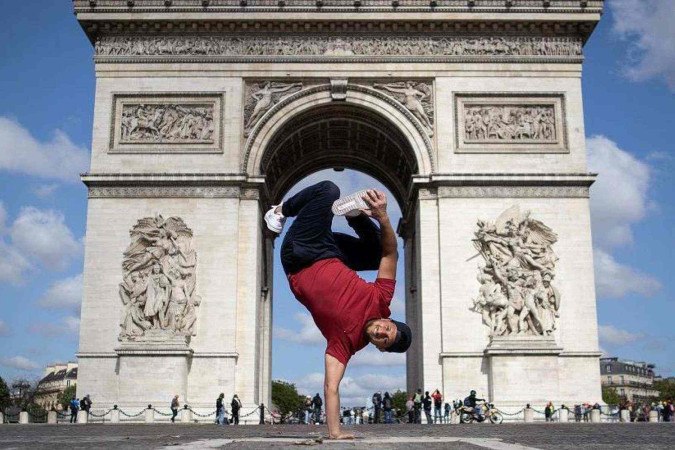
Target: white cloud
(308,334)
(647,26)
(70,325)
(354,391)
(64,294)
(42,235)
(45,190)
(4,328)
(619,197)
(613,336)
(19,362)
(58,158)
(371,356)
(615,280)
(13,264)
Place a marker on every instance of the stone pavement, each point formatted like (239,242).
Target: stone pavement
(428,437)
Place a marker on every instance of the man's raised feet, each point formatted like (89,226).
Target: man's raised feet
(275,220)
(350,205)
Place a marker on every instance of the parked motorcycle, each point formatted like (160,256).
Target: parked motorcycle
(488,411)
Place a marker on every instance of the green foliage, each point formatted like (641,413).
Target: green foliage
(398,399)
(666,388)
(66,396)
(285,397)
(4,395)
(610,396)
(37,413)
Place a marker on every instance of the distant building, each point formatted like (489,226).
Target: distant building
(56,379)
(631,380)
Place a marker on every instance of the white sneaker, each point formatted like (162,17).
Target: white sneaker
(350,205)
(275,221)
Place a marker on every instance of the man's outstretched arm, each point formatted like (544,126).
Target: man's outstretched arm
(331,391)
(378,211)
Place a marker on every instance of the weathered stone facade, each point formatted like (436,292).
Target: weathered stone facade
(207,112)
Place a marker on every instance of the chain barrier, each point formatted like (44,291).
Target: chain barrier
(509,414)
(101,415)
(132,415)
(201,415)
(62,415)
(161,413)
(35,418)
(246,415)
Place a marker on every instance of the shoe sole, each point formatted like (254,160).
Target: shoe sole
(270,225)
(353,202)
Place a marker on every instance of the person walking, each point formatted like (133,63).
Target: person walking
(74,407)
(410,408)
(387,407)
(236,406)
(427,406)
(417,400)
(220,409)
(446,416)
(548,412)
(174,408)
(317,403)
(308,409)
(438,404)
(377,406)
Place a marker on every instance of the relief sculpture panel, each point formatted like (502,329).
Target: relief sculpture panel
(166,123)
(261,97)
(487,123)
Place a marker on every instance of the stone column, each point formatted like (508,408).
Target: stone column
(563,415)
(2,418)
(149,415)
(595,415)
(653,416)
(23,417)
(115,416)
(185,415)
(52,417)
(624,415)
(528,415)
(82,417)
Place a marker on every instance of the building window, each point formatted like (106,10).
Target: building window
(68,383)
(622,381)
(609,379)
(608,368)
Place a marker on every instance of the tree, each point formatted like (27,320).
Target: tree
(4,395)
(666,388)
(285,397)
(398,399)
(66,396)
(610,396)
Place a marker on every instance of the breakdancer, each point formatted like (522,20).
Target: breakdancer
(321,268)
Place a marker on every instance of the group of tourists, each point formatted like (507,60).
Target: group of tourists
(221,412)
(77,404)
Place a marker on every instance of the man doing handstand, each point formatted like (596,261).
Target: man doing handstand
(321,268)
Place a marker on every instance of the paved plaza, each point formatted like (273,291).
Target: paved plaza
(483,436)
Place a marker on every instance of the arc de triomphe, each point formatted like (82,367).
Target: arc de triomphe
(470,111)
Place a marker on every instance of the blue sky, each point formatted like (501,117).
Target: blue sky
(46,104)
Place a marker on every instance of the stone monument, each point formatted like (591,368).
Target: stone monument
(207,112)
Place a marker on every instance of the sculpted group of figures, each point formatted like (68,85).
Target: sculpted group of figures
(158,291)
(509,123)
(516,296)
(394,45)
(167,123)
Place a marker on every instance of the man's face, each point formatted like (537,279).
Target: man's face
(382,333)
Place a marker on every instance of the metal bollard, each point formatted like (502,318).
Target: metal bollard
(528,415)
(185,415)
(653,416)
(149,415)
(115,416)
(563,415)
(52,417)
(23,417)
(625,415)
(82,417)
(262,414)
(595,415)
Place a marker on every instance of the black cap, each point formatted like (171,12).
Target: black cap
(403,338)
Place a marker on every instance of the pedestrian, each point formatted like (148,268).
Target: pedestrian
(377,406)
(577,413)
(668,411)
(220,409)
(85,404)
(174,408)
(308,409)
(446,416)
(410,408)
(321,268)
(438,404)
(317,403)
(387,407)
(417,399)
(74,407)
(235,405)
(548,412)
(427,402)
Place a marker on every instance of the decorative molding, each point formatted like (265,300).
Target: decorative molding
(338,88)
(164,192)
(513,192)
(167,123)
(321,47)
(510,123)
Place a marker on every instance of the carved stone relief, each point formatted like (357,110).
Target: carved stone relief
(261,97)
(525,123)
(283,47)
(416,96)
(158,288)
(517,296)
(166,122)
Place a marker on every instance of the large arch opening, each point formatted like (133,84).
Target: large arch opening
(355,147)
